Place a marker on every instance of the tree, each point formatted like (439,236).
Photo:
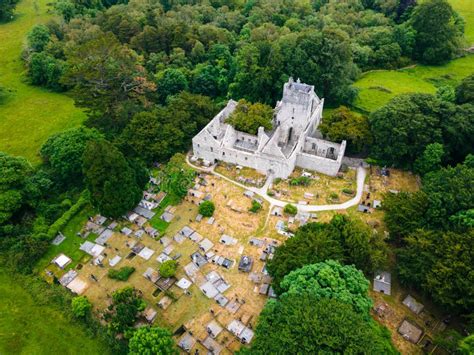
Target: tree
(404,213)
(38,37)
(206,208)
(81,307)
(168,268)
(63,152)
(404,127)
(303,324)
(332,280)
(45,70)
(170,82)
(126,305)
(14,172)
(152,340)
(437,39)
(458,130)
(466,346)
(176,177)
(441,264)
(346,240)
(110,179)
(7,8)
(290,209)
(343,124)
(256,206)
(248,117)
(465,90)
(430,160)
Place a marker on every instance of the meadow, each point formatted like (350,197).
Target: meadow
(30,114)
(31,324)
(379,86)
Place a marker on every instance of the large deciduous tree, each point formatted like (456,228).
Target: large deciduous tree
(63,152)
(113,184)
(248,117)
(437,37)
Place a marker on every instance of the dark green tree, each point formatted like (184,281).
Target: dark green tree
(304,324)
(152,340)
(45,70)
(38,37)
(125,308)
(465,90)
(110,179)
(437,38)
(81,307)
(404,127)
(207,208)
(170,82)
(63,152)
(7,7)
(248,117)
(430,160)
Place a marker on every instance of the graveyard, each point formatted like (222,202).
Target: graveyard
(221,284)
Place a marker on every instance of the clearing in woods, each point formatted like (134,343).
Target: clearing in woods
(30,114)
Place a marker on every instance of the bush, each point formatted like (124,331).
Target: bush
(121,274)
(207,208)
(271,193)
(66,217)
(290,209)
(80,306)
(168,268)
(346,191)
(300,181)
(255,207)
(334,196)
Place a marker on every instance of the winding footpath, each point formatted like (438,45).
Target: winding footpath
(262,191)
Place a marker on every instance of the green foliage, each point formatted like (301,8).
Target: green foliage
(430,160)
(446,93)
(152,340)
(256,206)
(63,152)
(300,181)
(7,7)
(158,134)
(290,209)
(121,274)
(81,307)
(248,117)
(38,38)
(343,124)
(45,70)
(332,280)
(125,309)
(404,127)
(305,324)
(170,82)
(346,240)
(176,177)
(466,346)
(61,222)
(442,265)
(465,90)
(168,268)
(110,179)
(14,172)
(206,208)
(437,38)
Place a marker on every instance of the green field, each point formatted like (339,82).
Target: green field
(29,326)
(466,9)
(31,114)
(379,86)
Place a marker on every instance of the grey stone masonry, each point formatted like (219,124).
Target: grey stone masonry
(293,141)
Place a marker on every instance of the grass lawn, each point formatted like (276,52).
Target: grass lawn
(378,87)
(156,221)
(466,9)
(31,327)
(31,114)
(70,246)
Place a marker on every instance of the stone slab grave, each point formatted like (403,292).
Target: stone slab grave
(59,239)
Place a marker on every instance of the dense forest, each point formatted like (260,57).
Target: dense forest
(151,74)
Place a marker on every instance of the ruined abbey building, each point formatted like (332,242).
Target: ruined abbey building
(293,141)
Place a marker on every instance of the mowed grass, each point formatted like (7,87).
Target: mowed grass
(465,8)
(378,87)
(31,327)
(31,114)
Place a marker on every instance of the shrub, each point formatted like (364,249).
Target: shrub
(121,274)
(168,268)
(207,208)
(81,306)
(256,206)
(348,191)
(300,181)
(290,209)
(276,181)
(66,217)
(271,193)
(334,196)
